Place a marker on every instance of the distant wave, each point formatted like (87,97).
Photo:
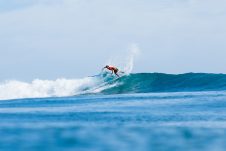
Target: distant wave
(106,83)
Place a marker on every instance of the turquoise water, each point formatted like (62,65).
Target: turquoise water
(160,82)
(147,121)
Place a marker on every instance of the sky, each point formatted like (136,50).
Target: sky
(49,39)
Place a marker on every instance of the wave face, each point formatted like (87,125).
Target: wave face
(159,82)
(105,83)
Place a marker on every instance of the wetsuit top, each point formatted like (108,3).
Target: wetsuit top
(112,68)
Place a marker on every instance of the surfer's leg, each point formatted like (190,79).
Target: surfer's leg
(116,72)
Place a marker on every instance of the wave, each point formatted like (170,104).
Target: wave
(55,88)
(160,82)
(69,87)
(105,83)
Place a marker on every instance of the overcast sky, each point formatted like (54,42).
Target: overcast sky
(50,39)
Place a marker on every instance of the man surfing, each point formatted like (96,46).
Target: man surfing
(113,69)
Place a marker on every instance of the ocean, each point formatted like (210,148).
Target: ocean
(137,112)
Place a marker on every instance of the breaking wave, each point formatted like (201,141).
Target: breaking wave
(69,87)
(105,83)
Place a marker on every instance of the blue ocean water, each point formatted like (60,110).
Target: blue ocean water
(138,112)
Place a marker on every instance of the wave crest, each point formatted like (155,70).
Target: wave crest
(46,88)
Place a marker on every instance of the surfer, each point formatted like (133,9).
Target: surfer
(113,69)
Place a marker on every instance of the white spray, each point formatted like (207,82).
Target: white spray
(125,62)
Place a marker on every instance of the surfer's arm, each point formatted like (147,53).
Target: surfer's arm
(103,68)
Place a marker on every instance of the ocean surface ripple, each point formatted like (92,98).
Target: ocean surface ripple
(169,121)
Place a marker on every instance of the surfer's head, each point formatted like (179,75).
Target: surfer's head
(106,66)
